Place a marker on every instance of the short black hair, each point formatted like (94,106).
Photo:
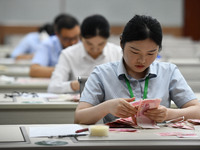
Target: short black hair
(48,28)
(95,25)
(65,21)
(142,27)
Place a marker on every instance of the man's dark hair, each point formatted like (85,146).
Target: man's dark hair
(65,21)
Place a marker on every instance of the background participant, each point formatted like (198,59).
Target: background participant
(27,46)
(80,59)
(67,32)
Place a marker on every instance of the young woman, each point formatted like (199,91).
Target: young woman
(80,59)
(111,86)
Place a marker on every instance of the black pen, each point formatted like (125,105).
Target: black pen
(69,135)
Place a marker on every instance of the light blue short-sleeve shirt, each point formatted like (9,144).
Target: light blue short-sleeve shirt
(165,82)
(48,52)
(27,44)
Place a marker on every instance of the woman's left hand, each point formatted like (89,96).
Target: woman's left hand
(159,114)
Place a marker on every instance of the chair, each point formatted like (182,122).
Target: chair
(82,80)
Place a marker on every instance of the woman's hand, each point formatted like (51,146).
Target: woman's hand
(159,114)
(121,107)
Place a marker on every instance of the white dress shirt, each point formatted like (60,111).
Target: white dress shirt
(74,61)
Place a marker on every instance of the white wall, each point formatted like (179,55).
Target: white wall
(118,12)
(29,12)
(168,12)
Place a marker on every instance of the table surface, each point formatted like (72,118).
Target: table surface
(38,110)
(13,62)
(25,84)
(15,71)
(142,139)
(58,101)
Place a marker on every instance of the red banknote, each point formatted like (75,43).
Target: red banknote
(194,121)
(122,123)
(181,125)
(137,103)
(139,120)
(142,120)
(178,134)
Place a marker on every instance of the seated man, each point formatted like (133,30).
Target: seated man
(67,32)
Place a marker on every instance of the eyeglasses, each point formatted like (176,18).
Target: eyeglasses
(67,39)
(17,94)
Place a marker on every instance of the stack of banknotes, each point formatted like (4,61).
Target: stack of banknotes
(139,120)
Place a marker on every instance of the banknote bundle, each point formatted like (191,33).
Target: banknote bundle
(142,120)
(139,120)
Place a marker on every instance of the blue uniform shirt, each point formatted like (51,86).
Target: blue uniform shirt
(48,52)
(27,45)
(165,82)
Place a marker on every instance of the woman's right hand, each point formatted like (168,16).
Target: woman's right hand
(122,108)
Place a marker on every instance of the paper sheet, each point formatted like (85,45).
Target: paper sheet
(57,130)
(32,81)
(64,98)
(5,99)
(6,134)
(28,100)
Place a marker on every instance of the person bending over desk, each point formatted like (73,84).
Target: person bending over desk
(106,94)
(67,33)
(26,48)
(80,59)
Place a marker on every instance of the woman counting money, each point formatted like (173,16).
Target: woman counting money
(112,86)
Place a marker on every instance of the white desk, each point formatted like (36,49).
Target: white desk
(26,84)
(36,111)
(142,140)
(11,67)
(14,71)
(39,110)
(13,62)
(5,50)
